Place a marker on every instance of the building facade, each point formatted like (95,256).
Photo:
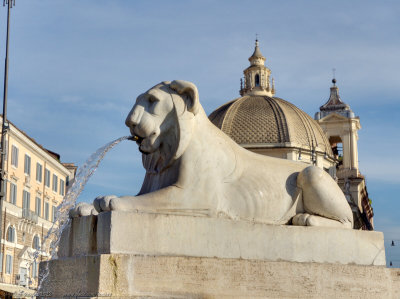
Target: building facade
(36,182)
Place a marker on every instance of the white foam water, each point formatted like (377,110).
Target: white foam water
(62,212)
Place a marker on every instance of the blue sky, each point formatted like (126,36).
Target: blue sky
(76,68)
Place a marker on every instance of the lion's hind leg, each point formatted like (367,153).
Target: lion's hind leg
(305,219)
(323,200)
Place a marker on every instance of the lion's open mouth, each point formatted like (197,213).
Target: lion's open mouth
(147,144)
(136,138)
(138,141)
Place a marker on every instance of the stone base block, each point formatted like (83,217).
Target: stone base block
(140,276)
(173,235)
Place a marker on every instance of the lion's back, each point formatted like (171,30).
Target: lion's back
(262,188)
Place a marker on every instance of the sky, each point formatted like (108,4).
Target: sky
(76,68)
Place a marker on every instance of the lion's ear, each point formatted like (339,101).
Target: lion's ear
(185,87)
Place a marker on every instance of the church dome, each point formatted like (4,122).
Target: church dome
(264,121)
(266,124)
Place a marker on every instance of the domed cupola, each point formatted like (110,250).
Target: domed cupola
(257,76)
(265,124)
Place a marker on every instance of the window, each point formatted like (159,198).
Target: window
(62,187)
(46,210)
(257,79)
(14,156)
(34,269)
(55,183)
(1,262)
(36,243)
(11,234)
(53,213)
(9,262)
(13,193)
(27,165)
(38,206)
(47,177)
(39,171)
(26,200)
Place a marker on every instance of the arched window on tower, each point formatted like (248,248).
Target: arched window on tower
(257,80)
(337,148)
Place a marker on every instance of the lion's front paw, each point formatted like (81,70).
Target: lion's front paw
(301,219)
(82,209)
(103,203)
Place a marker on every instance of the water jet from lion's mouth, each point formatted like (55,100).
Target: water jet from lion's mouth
(62,219)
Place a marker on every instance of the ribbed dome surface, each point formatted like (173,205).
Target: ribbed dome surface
(264,120)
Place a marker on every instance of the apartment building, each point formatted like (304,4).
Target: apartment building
(36,184)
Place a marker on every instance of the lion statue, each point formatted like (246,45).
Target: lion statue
(193,168)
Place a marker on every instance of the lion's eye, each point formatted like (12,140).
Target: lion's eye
(152,100)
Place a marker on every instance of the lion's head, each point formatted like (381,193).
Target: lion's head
(162,120)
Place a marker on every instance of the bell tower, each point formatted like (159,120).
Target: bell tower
(257,79)
(341,126)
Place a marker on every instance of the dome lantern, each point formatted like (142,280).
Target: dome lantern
(257,76)
(257,58)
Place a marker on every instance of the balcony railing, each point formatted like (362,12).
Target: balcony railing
(29,215)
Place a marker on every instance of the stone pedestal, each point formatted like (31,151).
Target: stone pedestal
(130,255)
(140,276)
